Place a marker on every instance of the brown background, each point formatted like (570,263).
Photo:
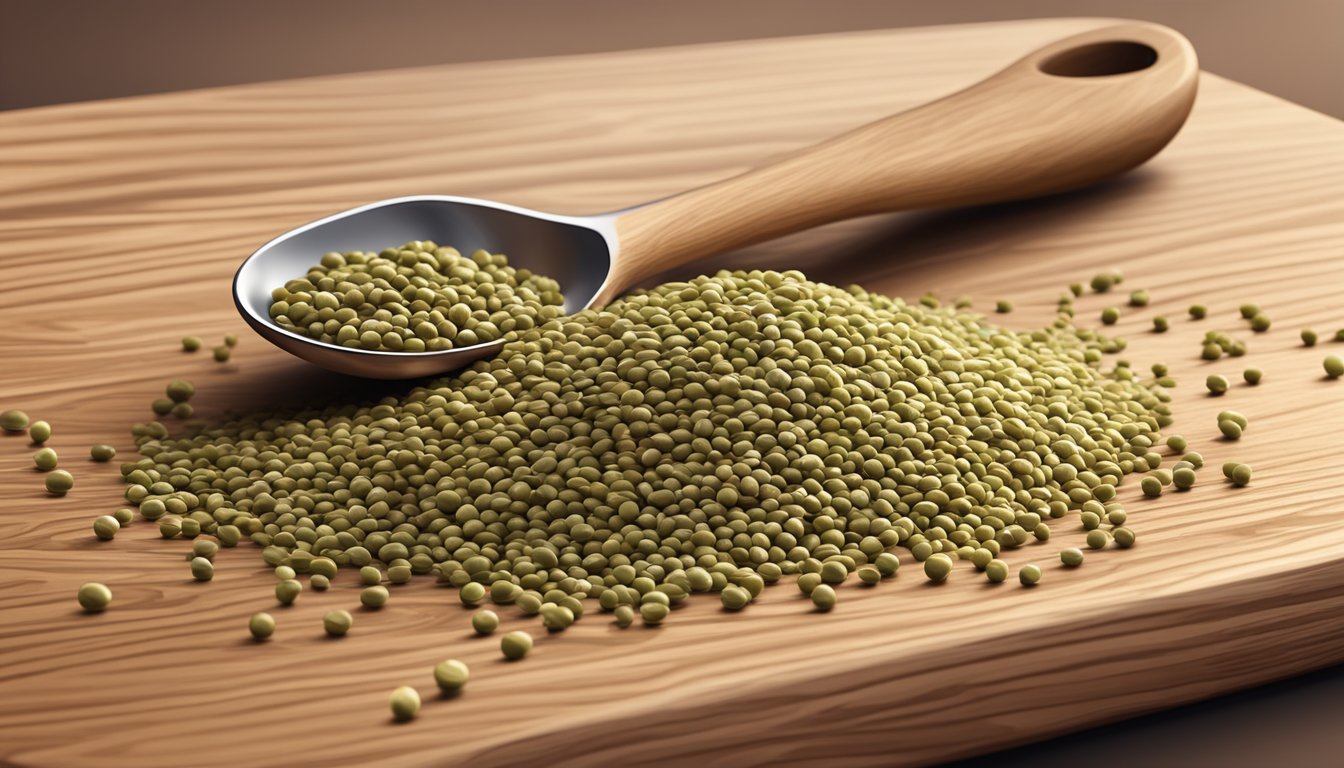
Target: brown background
(54,51)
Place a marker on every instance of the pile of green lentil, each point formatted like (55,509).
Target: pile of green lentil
(416,298)
(709,435)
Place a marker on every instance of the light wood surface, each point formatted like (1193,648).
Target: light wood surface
(124,220)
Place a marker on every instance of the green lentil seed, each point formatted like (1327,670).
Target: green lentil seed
(624,616)
(887,563)
(1194,458)
(13,421)
(1151,486)
(370,576)
(1103,282)
(808,582)
(221,354)
(485,622)
(39,432)
(1071,557)
(869,574)
(1098,539)
(1211,351)
(374,597)
(736,598)
(1003,307)
(94,597)
(1334,367)
(124,516)
(1260,323)
(285,573)
(183,411)
(1110,315)
(202,569)
(405,703)
(180,391)
(471,593)
(1183,478)
(937,567)
(996,571)
(1308,337)
(1029,575)
(653,613)
(451,676)
(1253,375)
(1124,537)
(319,582)
(337,623)
(1198,311)
(823,597)
(230,340)
(162,406)
(45,459)
(1230,429)
(287,591)
(102,452)
(1217,384)
(191,343)
(105,527)
(515,645)
(261,625)
(1160,324)
(1240,475)
(59,482)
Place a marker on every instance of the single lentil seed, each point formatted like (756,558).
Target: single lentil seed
(337,623)
(1071,557)
(1029,575)
(102,452)
(624,616)
(1308,337)
(1138,298)
(39,432)
(94,597)
(1098,539)
(653,613)
(180,391)
(869,574)
(45,459)
(1198,311)
(13,420)
(1183,478)
(1217,384)
(996,571)
(471,593)
(823,597)
(319,582)
(1110,315)
(515,645)
(1151,486)
(1260,323)
(937,567)
(451,676)
(202,569)
(1253,376)
(1003,307)
(191,343)
(485,622)
(1240,475)
(261,625)
(124,516)
(405,703)
(1124,537)
(1230,429)
(1160,324)
(374,597)
(105,527)
(1334,367)
(221,354)
(59,482)
(230,340)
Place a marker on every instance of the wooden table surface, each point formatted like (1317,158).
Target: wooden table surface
(124,220)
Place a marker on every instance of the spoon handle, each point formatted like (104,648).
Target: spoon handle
(1075,112)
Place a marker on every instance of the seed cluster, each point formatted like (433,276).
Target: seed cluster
(416,298)
(710,435)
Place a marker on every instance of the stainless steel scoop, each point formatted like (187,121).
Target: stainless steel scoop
(1075,112)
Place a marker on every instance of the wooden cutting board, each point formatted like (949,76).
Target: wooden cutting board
(121,223)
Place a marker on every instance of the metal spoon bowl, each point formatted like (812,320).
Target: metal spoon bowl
(1070,114)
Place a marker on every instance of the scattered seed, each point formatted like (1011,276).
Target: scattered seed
(105,527)
(13,421)
(1110,315)
(1160,324)
(1072,557)
(191,343)
(94,597)
(261,625)
(59,482)
(102,452)
(405,703)
(1183,478)
(624,615)
(485,622)
(869,574)
(1198,311)
(221,354)
(1308,337)
(823,597)
(287,591)
(183,410)
(230,340)
(1252,375)
(735,598)
(1239,474)
(451,676)
(337,623)
(1334,367)
(515,645)
(374,597)
(39,432)
(1124,537)
(1230,429)
(996,571)
(937,567)
(1151,486)
(1260,323)
(45,459)
(1217,384)
(124,516)
(653,613)
(319,582)
(1029,575)
(1138,298)
(180,391)
(471,593)
(1098,539)
(204,570)
(1003,307)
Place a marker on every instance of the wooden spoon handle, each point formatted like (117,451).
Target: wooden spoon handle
(1075,112)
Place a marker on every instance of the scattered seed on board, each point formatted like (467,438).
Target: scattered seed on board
(1253,375)
(1138,298)
(102,452)
(515,645)
(1029,575)
(124,516)
(405,703)
(451,676)
(1198,311)
(1003,307)
(221,354)
(485,622)
(1071,556)
(1160,324)
(1183,478)
(105,527)
(202,569)
(1151,486)
(180,390)
(287,591)
(1217,384)
(937,567)
(996,571)
(45,459)
(374,597)
(261,625)
(59,482)
(1260,323)
(1124,537)
(653,613)
(191,343)
(823,597)
(13,420)
(230,340)
(1308,337)
(39,432)
(1098,539)
(1239,474)
(319,582)
(1110,315)
(94,597)
(1230,429)
(1334,367)
(869,574)
(624,615)
(337,623)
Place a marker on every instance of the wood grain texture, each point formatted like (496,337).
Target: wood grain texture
(125,219)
